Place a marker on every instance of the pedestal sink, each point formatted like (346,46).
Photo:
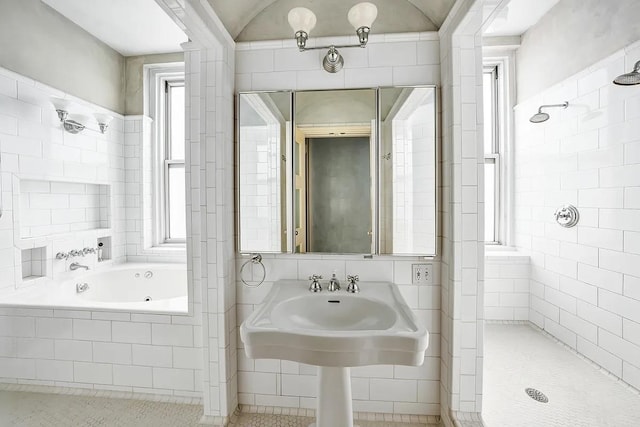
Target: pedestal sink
(335,331)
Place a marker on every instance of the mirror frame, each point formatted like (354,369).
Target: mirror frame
(289,218)
(375,172)
(436,156)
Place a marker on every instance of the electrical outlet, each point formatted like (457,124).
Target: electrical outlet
(421,274)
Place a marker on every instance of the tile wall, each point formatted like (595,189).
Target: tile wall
(403,59)
(158,354)
(462,212)
(127,352)
(139,191)
(506,286)
(53,181)
(585,281)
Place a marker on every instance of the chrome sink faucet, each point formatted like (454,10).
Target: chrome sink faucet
(315,284)
(334,284)
(353,285)
(75,266)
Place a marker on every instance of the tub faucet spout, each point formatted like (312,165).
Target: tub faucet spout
(75,266)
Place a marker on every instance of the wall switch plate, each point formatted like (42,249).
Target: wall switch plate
(421,274)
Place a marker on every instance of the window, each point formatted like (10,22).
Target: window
(492,143)
(174,201)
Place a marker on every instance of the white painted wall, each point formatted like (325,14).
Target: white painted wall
(388,60)
(571,37)
(39,43)
(585,281)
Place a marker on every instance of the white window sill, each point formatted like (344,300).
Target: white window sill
(167,249)
(497,252)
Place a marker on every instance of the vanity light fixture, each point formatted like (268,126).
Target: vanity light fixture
(76,123)
(303,20)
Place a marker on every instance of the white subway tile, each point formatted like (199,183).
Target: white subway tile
(129,332)
(17,368)
(180,335)
(392,54)
(600,237)
(299,385)
(632,198)
(53,328)
(54,370)
(631,331)
(618,346)
(607,198)
(581,327)
(34,348)
(631,374)
(17,326)
(106,352)
(394,390)
(177,379)
(620,262)
(73,350)
(93,373)
(92,330)
(152,355)
(632,287)
(136,376)
(626,307)
(602,357)
(189,358)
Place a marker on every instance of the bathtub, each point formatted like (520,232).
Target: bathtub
(156,288)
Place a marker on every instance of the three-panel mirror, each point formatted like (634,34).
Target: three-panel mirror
(344,172)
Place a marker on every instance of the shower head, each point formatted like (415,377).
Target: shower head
(629,79)
(540,117)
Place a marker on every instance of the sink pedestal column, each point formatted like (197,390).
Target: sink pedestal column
(334,398)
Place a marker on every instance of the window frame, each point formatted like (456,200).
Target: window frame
(494,156)
(155,104)
(168,162)
(502,58)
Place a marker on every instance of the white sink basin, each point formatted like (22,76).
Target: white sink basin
(374,326)
(333,313)
(335,330)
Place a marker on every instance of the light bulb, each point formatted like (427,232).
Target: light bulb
(104,119)
(362,15)
(60,103)
(301,19)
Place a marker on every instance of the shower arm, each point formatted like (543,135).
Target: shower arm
(563,105)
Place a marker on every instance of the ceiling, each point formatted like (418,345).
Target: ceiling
(248,20)
(518,16)
(131,27)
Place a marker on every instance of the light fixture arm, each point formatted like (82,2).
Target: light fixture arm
(301,40)
(335,46)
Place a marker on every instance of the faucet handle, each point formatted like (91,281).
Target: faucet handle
(315,285)
(62,255)
(75,252)
(353,286)
(87,250)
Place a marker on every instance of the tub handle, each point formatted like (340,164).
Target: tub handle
(148,274)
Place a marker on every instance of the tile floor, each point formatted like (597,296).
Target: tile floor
(25,409)
(580,395)
(28,409)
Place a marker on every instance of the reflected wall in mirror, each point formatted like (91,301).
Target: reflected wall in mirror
(264,138)
(334,171)
(407,205)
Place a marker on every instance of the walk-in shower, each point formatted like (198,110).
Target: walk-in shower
(629,79)
(540,117)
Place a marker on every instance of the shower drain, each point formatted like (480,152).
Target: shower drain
(536,395)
